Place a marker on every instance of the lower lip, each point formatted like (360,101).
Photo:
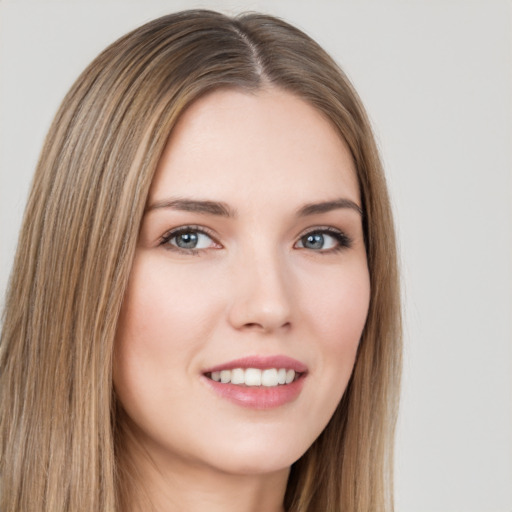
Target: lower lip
(258,397)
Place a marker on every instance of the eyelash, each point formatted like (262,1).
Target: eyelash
(173,233)
(343,241)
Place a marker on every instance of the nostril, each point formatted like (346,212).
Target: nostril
(265,326)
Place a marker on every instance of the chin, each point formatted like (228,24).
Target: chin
(259,457)
(257,466)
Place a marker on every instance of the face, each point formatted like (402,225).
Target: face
(249,290)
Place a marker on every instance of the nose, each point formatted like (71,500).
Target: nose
(262,298)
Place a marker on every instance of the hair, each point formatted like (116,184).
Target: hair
(59,426)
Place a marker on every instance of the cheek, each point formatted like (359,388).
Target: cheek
(339,306)
(165,321)
(162,306)
(337,311)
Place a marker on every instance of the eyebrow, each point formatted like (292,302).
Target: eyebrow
(193,205)
(223,210)
(327,206)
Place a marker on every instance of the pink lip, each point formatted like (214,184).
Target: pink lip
(261,362)
(259,397)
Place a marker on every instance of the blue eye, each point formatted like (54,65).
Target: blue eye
(188,238)
(324,240)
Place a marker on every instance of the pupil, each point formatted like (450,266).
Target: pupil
(315,241)
(187,240)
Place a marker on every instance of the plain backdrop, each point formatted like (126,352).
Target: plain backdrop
(436,78)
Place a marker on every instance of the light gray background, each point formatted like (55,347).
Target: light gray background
(436,77)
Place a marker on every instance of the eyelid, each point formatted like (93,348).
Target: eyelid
(344,241)
(169,235)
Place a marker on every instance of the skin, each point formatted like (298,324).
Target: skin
(253,287)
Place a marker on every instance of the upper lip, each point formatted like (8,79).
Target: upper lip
(261,362)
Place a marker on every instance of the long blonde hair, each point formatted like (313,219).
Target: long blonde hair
(58,425)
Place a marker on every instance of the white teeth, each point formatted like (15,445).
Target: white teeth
(252,377)
(290,375)
(237,376)
(225,376)
(270,377)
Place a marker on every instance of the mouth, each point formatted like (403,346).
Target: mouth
(258,382)
(256,377)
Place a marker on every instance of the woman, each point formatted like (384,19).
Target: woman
(203,311)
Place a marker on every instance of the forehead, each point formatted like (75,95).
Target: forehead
(268,141)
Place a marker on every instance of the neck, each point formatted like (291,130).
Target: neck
(161,483)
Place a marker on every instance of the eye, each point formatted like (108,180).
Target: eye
(324,240)
(188,238)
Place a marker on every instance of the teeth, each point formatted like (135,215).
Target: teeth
(255,377)
(237,376)
(252,377)
(269,377)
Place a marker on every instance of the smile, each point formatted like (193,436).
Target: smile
(258,382)
(270,377)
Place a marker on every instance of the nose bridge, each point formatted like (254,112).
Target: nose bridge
(262,295)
